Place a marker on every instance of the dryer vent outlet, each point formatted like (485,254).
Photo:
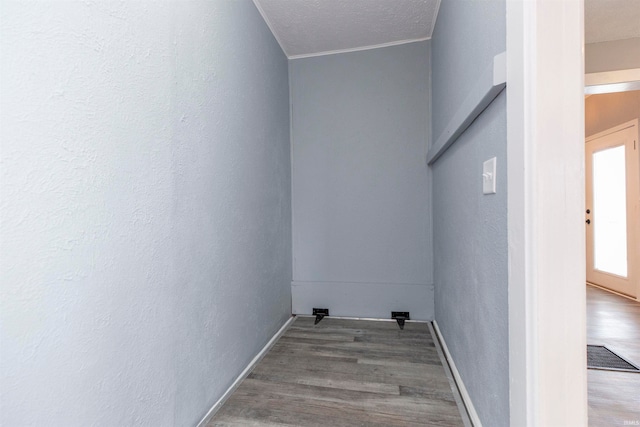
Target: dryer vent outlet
(400,317)
(320,313)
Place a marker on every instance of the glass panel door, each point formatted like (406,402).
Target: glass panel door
(613,209)
(609,211)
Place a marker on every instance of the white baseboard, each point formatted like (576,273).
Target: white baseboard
(613,292)
(471,410)
(216,406)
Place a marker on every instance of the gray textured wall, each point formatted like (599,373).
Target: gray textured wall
(361,210)
(145,242)
(470,229)
(608,110)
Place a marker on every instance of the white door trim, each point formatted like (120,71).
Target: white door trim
(612,81)
(545,134)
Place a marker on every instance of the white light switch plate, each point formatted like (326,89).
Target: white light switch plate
(489,176)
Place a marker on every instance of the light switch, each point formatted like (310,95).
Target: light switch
(489,176)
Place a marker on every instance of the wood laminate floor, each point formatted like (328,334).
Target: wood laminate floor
(614,321)
(346,373)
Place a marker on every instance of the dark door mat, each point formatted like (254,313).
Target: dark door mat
(600,357)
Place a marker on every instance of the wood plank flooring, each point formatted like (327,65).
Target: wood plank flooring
(614,321)
(346,373)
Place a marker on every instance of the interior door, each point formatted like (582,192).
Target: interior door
(612,211)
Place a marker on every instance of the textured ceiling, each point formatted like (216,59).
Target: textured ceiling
(315,27)
(606,20)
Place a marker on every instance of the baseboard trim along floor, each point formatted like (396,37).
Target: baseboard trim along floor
(471,410)
(613,292)
(216,406)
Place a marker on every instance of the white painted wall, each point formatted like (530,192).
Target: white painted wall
(144,207)
(362,239)
(612,55)
(608,110)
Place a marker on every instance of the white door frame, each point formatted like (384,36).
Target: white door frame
(545,140)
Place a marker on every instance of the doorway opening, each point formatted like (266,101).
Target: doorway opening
(612,231)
